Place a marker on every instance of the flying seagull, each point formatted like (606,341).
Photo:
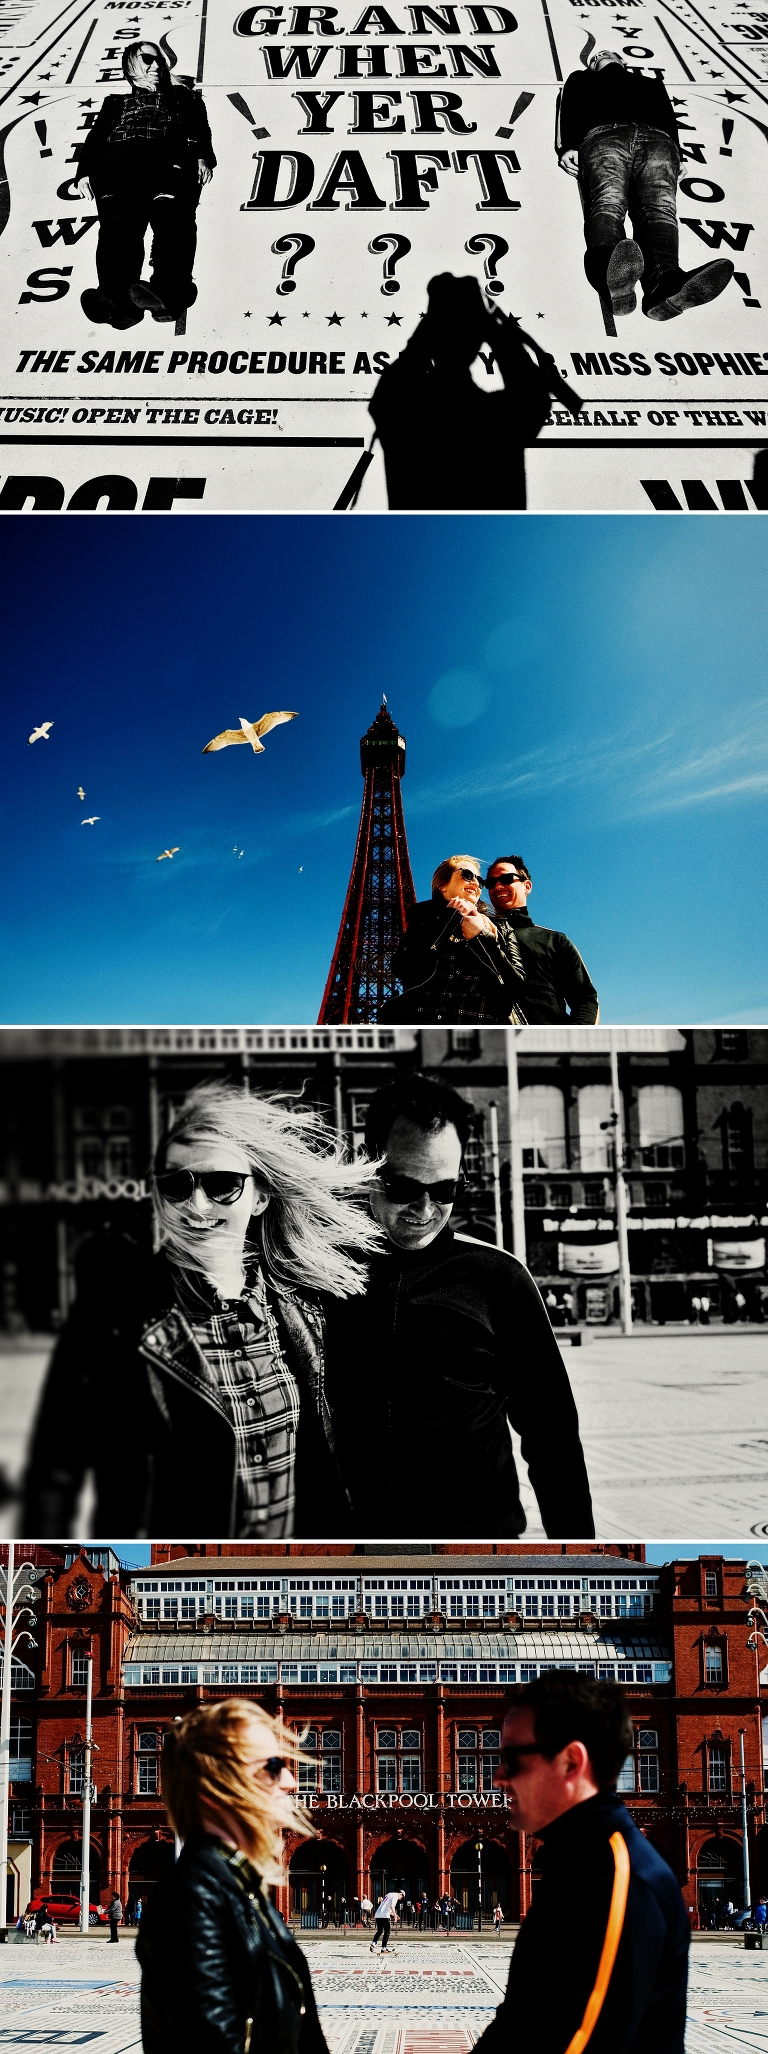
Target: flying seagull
(80,792)
(42,732)
(91,820)
(248,731)
(169,852)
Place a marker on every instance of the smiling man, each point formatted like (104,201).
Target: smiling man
(450,1347)
(607,1914)
(557,985)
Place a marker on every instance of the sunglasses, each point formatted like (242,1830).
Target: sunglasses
(222,1187)
(509,1756)
(469,876)
(273,1768)
(506,877)
(403,1190)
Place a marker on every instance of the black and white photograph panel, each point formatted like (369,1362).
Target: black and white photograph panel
(566,313)
(261,1282)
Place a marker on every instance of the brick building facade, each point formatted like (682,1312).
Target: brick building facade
(81,1110)
(396,1665)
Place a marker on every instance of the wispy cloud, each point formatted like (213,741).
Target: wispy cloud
(638,774)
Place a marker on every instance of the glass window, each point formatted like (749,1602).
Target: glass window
(147,1782)
(488,1766)
(466,1737)
(151,1608)
(467,1772)
(713,1664)
(386,1737)
(647,1737)
(491,1737)
(710,1583)
(410,1738)
(595,1128)
(660,1121)
(307,1776)
(332,1773)
(308,1740)
(331,1739)
(648,1772)
(626,1777)
(76,1774)
(386,1772)
(542,1127)
(718,1767)
(411,1772)
(147,1740)
(79,1669)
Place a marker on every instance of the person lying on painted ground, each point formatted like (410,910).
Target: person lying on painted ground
(617,133)
(607,1913)
(145,162)
(557,985)
(454,962)
(190,1383)
(455,1347)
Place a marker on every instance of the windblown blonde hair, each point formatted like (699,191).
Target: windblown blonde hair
(443,871)
(208,1768)
(314,1235)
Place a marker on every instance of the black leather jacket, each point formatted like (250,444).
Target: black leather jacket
(215,1954)
(189,134)
(447,978)
(130,1397)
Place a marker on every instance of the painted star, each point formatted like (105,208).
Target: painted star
(31,99)
(334,320)
(394,320)
(363,317)
(246,317)
(539,317)
(275,320)
(305,317)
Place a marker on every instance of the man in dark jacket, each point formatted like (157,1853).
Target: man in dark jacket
(454,963)
(564,1740)
(617,134)
(145,161)
(557,986)
(216,1959)
(131,1397)
(455,1347)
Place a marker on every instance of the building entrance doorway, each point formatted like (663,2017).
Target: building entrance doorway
(720,1880)
(399,1865)
(492,1879)
(319,1878)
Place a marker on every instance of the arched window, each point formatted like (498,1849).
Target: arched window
(660,1124)
(542,1127)
(595,1127)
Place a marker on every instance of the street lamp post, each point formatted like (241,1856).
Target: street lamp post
(14,1603)
(85,1871)
(517,1192)
(322,1894)
(479,1846)
(625,1274)
(744,1842)
(498,1224)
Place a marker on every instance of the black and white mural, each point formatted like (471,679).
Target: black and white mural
(304,170)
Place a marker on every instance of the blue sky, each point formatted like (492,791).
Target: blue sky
(590,693)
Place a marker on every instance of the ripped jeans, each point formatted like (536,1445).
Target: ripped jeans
(141,187)
(631,169)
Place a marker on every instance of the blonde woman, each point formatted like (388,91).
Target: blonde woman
(454,963)
(191,1384)
(221,1974)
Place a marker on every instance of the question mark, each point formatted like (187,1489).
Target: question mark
(292,248)
(497,248)
(399,246)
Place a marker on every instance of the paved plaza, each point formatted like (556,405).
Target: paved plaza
(427,1998)
(674,1424)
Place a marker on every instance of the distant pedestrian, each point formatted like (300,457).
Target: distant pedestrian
(498,1920)
(761,1914)
(114,1914)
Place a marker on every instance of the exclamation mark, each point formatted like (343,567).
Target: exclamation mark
(740,278)
(727,133)
(244,109)
(41,130)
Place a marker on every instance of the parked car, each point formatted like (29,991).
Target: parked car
(64,1907)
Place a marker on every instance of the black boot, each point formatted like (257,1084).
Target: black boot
(677,290)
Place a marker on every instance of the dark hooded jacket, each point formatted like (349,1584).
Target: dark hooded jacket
(644,2007)
(454,1345)
(214,1954)
(130,1397)
(558,986)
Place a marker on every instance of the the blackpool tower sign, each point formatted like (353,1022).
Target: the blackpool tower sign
(381,890)
(360,149)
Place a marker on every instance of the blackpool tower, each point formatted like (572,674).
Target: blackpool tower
(380,889)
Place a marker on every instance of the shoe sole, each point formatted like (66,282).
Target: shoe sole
(625,266)
(697,292)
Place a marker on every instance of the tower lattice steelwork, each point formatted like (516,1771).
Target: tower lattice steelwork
(380,887)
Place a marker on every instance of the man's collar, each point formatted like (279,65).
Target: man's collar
(519,914)
(582,1818)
